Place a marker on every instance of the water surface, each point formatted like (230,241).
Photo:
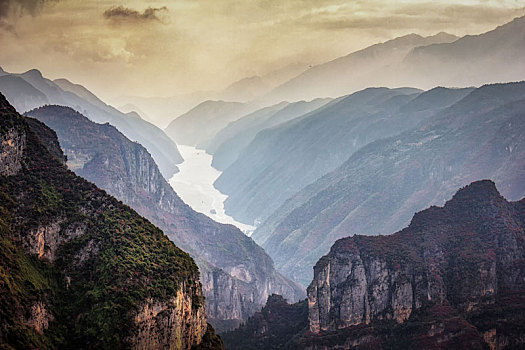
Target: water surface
(194,184)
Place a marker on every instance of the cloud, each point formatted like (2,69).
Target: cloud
(144,50)
(21,7)
(12,10)
(410,16)
(121,13)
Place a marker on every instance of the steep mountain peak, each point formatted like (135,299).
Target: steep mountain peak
(478,197)
(478,193)
(33,73)
(443,37)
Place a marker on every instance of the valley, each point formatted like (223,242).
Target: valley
(279,176)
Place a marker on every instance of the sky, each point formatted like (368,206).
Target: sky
(166,48)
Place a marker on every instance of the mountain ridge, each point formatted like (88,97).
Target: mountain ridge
(477,137)
(237,275)
(487,59)
(163,149)
(78,267)
(454,278)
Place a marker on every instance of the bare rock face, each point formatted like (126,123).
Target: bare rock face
(162,324)
(40,317)
(12,144)
(467,255)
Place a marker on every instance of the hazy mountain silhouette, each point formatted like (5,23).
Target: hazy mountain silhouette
(128,108)
(200,124)
(230,141)
(22,94)
(282,160)
(160,110)
(353,72)
(65,93)
(495,56)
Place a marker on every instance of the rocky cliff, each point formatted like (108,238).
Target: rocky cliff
(237,275)
(453,279)
(465,257)
(77,267)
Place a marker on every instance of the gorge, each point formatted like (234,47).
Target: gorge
(272,175)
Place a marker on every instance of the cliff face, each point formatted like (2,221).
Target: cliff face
(467,255)
(79,267)
(237,275)
(12,145)
(173,324)
(453,279)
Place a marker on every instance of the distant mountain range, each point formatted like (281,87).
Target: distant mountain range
(237,275)
(282,160)
(411,60)
(162,110)
(199,125)
(380,186)
(231,141)
(30,90)
(442,59)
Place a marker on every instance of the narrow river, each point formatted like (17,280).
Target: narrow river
(194,184)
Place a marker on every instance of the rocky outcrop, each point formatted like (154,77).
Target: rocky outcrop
(12,144)
(453,279)
(40,317)
(467,255)
(163,324)
(79,267)
(236,274)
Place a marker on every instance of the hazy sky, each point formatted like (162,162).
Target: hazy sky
(170,47)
